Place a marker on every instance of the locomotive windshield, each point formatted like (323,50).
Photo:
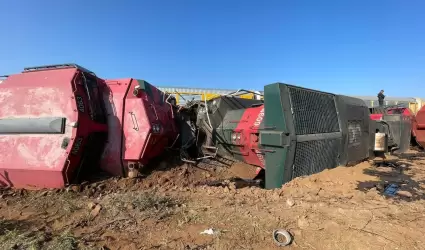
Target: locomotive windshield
(96,106)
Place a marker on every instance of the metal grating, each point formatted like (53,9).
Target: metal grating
(313,112)
(314,156)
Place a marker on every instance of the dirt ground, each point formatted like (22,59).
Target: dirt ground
(342,208)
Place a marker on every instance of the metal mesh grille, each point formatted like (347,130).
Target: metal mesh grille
(314,156)
(314,112)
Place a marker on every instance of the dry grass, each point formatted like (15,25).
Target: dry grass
(15,239)
(13,235)
(188,217)
(63,241)
(227,225)
(142,203)
(69,201)
(328,211)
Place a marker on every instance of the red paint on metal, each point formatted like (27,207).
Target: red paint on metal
(131,119)
(248,128)
(376,117)
(142,142)
(419,127)
(114,95)
(397,110)
(406,113)
(38,160)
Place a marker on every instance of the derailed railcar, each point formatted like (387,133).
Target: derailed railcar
(296,131)
(141,125)
(58,122)
(403,121)
(52,125)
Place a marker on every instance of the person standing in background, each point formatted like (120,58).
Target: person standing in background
(381,98)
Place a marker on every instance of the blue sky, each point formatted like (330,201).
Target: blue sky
(341,46)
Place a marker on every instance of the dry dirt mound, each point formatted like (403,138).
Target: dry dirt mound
(342,208)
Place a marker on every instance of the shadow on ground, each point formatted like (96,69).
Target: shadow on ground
(407,178)
(20,234)
(11,225)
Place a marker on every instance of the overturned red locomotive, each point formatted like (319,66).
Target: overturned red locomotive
(61,122)
(58,122)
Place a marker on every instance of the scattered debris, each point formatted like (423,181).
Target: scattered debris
(76,188)
(391,189)
(44,193)
(91,205)
(400,167)
(285,234)
(315,210)
(209,231)
(232,183)
(404,193)
(290,202)
(96,210)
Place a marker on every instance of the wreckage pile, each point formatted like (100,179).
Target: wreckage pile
(74,130)
(61,123)
(171,206)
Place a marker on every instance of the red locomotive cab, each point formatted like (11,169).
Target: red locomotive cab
(376,113)
(50,117)
(376,117)
(401,110)
(141,125)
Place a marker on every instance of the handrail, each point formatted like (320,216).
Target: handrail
(58,66)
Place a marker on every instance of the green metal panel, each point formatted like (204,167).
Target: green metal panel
(274,138)
(275,135)
(146,87)
(223,134)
